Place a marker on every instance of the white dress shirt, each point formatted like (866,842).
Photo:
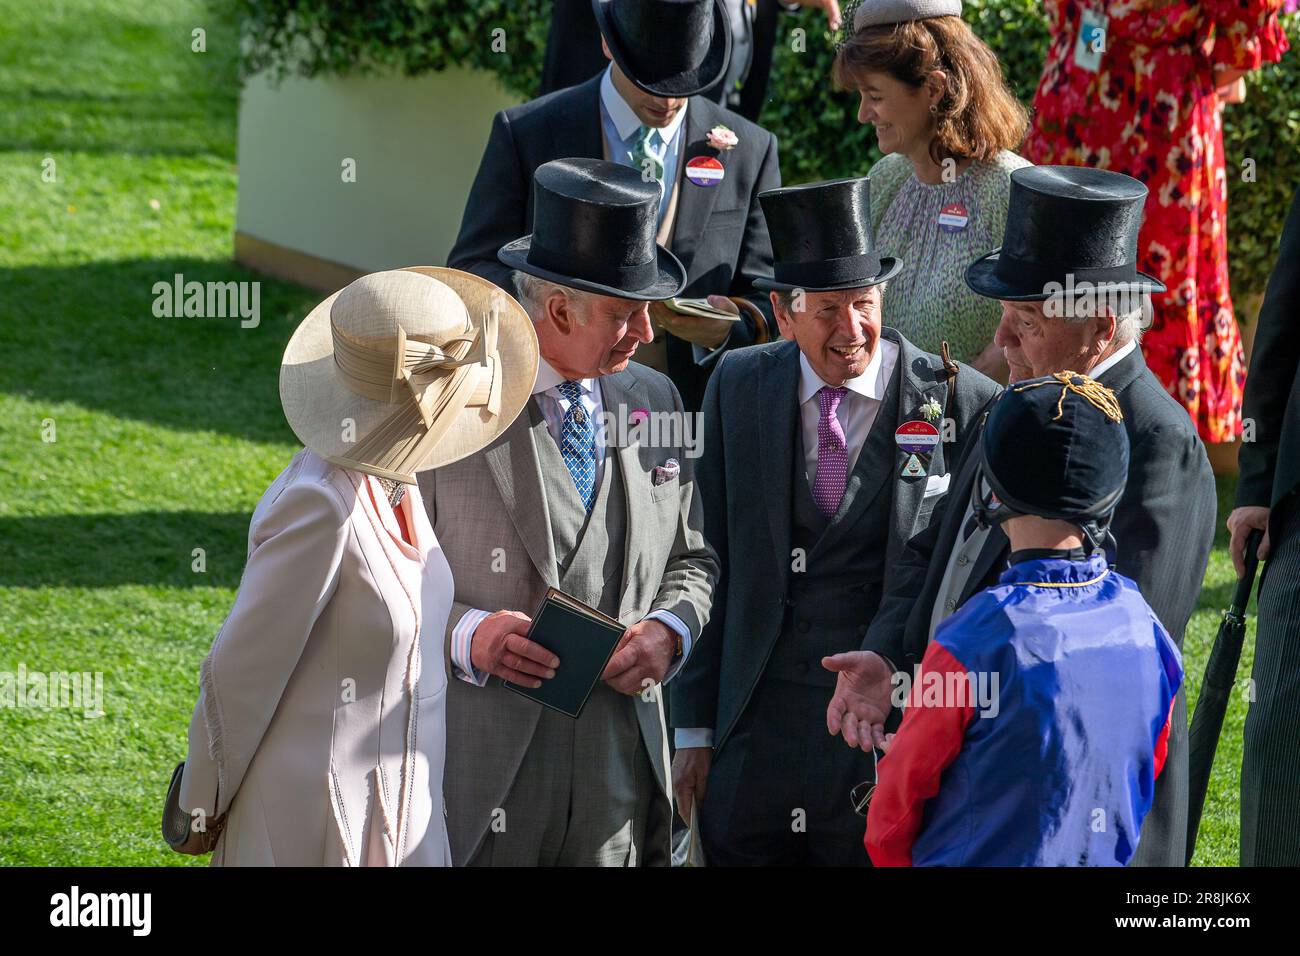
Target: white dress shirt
(857,409)
(554,407)
(621,126)
(856,413)
(1113,359)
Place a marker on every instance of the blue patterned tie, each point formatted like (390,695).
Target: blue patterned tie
(578,443)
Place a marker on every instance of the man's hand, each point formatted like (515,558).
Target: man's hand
(830,7)
(500,648)
(690,777)
(1240,523)
(643,654)
(706,333)
(861,701)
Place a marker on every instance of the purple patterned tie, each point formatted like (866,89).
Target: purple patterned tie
(832,453)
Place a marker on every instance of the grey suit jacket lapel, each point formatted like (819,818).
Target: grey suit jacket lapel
(619,399)
(518,477)
(779,394)
(695,203)
(918,386)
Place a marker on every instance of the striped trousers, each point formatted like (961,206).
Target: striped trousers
(1270,764)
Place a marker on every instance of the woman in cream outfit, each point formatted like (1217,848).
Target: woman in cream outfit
(319,734)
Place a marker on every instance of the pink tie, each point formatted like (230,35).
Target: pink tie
(832,453)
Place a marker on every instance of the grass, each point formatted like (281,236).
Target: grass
(166,430)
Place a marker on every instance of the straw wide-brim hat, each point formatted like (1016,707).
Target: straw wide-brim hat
(407,370)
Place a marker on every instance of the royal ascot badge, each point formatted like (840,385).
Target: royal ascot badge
(705,171)
(916,437)
(913,468)
(953,217)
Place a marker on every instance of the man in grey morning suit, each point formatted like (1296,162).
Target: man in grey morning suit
(1164,524)
(809,494)
(602,514)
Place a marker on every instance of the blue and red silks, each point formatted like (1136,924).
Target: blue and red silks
(1056,764)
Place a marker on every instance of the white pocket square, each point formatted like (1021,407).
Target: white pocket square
(936,485)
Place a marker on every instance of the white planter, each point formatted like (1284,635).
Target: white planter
(416,145)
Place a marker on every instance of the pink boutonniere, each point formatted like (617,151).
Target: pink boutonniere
(638,415)
(722,138)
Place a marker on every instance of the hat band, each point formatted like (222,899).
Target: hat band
(1025,274)
(837,271)
(638,275)
(431,385)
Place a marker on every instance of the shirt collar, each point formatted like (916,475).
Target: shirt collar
(1113,359)
(870,384)
(625,121)
(548,378)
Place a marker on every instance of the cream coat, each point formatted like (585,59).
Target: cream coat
(320,724)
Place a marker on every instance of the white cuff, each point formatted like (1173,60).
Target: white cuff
(461,635)
(675,622)
(692,737)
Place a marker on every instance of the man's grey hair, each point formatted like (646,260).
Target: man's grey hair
(1129,323)
(533,292)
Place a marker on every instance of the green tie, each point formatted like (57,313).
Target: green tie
(646,157)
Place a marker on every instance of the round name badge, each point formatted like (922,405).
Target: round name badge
(953,217)
(917,437)
(705,171)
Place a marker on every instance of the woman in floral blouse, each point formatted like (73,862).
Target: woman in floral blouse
(947,124)
(1137,87)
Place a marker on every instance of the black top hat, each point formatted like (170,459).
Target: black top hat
(1065,221)
(669,48)
(594,225)
(821,237)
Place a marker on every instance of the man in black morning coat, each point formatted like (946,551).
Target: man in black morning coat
(1268,498)
(808,503)
(1062,218)
(709,215)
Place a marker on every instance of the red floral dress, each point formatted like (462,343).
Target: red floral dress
(1150,110)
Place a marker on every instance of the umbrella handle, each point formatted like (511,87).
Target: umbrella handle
(1246,583)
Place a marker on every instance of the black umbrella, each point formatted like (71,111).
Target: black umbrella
(1220,675)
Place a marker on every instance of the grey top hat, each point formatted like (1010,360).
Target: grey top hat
(872,13)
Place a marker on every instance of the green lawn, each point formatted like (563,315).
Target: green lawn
(166,430)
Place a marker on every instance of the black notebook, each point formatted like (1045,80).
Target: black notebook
(584,641)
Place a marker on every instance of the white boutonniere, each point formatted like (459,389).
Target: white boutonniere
(722,138)
(931,410)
